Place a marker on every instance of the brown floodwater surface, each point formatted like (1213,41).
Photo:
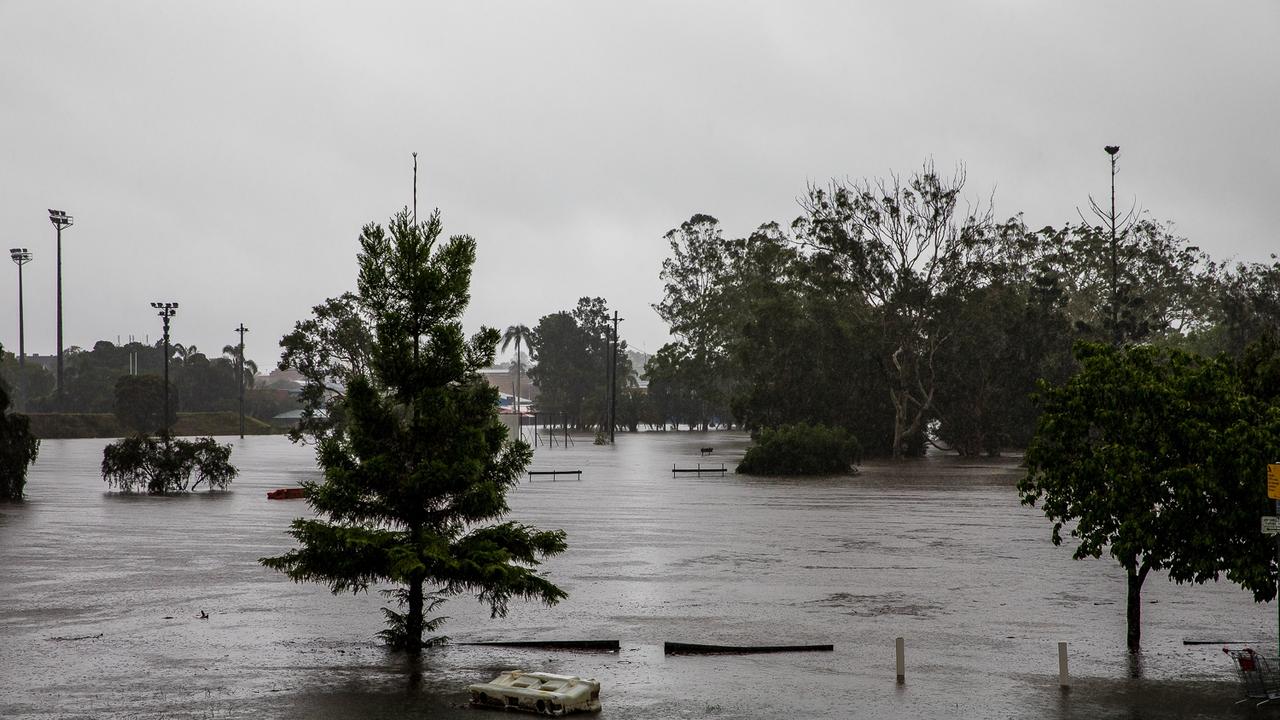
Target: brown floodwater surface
(100,597)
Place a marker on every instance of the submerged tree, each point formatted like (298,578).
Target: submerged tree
(421,466)
(18,448)
(163,465)
(904,245)
(1158,458)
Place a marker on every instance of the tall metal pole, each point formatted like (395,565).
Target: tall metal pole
(415,188)
(167,310)
(613,378)
(1116,336)
(240,371)
(59,317)
(60,220)
(21,256)
(165,417)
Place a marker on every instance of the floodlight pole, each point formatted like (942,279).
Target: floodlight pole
(1116,335)
(240,371)
(167,310)
(60,220)
(21,256)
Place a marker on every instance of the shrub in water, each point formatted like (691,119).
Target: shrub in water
(161,464)
(801,449)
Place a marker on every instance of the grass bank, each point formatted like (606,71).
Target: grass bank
(104,425)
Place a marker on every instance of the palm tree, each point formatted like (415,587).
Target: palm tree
(521,334)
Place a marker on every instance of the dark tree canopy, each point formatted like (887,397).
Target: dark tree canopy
(164,465)
(573,359)
(1158,458)
(18,448)
(416,476)
(139,399)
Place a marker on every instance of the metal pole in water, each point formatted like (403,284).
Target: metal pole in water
(901,652)
(1064,678)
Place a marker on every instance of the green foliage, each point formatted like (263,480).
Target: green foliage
(139,399)
(199,383)
(163,465)
(801,449)
(18,448)
(416,474)
(330,349)
(573,360)
(1158,458)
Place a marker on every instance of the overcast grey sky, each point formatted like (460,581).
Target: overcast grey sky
(225,155)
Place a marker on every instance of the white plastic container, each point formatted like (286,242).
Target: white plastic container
(535,692)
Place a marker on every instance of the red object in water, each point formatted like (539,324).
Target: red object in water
(285,494)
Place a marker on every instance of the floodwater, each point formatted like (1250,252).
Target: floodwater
(100,595)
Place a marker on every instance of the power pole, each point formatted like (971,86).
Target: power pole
(613,379)
(240,372)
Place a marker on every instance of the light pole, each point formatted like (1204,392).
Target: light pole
(1116,336)
(21,256)
(167,310)
(240,371)
(60,220)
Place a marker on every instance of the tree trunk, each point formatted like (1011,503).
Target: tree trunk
(413,623)
(1135,606)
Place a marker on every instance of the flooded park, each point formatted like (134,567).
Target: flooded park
(102,594)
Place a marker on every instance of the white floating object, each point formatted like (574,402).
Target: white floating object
(535,692)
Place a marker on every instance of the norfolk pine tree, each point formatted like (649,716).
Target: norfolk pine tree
(422,465)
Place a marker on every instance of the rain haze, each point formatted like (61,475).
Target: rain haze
(225,156)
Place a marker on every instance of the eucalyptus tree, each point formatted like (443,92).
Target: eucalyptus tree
(904,244)
(416,477)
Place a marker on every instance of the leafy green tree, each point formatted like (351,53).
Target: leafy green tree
(18,448)
(139,402)
(573,356)
(330,350)
(163,465)
(1248,297)
(419,470)
(26,381)
(903,244)
(1005,338)
(697,278)
(1165,291)
(1158,458)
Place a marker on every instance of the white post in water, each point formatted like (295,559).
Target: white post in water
(1064,679)
(900,647)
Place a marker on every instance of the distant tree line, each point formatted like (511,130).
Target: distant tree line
(890,309)
(98,380)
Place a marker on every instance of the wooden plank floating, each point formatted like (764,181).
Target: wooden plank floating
(721,469)
(554,644)
(554,473)
(677,648)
